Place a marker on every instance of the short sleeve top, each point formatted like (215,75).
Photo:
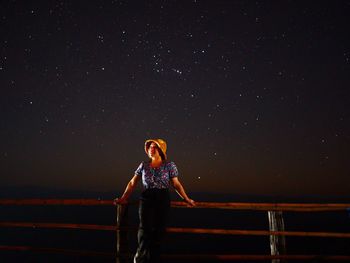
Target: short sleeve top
(158,178)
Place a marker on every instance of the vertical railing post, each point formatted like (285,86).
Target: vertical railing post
(277,242)
(122,235)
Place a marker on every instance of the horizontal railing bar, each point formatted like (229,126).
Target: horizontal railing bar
(192,257)
(60,225)
(257,232)
(58,250)
(179,230)
(83,202)
(270,206)
(199,257)
(222,205)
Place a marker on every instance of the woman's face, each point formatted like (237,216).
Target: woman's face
(153,150)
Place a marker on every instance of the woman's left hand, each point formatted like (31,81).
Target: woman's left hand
(190,202)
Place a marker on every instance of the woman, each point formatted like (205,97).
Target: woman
(157,175)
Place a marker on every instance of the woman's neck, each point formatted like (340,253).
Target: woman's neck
(156,162)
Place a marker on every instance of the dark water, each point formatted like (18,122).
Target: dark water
(105,241)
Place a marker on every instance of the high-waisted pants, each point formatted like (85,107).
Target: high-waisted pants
(153,213)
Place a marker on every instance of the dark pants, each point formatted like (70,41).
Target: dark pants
(153,213)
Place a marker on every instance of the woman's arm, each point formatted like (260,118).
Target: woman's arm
(181,191)
(128,190)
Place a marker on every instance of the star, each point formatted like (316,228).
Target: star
(177,71)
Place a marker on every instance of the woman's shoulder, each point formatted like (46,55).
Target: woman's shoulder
(170,163)
(143,164)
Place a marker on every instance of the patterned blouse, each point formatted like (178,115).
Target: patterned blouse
(159,177)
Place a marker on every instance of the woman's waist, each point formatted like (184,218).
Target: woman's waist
(155,193)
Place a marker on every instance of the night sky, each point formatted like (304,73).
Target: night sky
(252,97)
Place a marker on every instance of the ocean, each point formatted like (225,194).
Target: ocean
(174,243)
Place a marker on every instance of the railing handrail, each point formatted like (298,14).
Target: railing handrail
(312,207)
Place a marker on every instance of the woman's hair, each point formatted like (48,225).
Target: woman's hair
(161,154)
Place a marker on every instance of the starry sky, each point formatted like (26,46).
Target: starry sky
(252,97)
